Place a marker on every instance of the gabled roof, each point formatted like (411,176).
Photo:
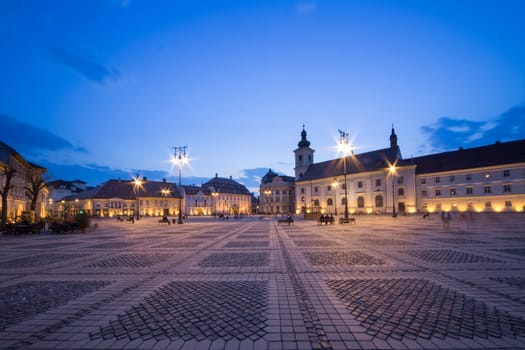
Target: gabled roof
(223,185)
(194,190)
(497,154)
(370,161)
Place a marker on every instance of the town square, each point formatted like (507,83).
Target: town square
(253,282)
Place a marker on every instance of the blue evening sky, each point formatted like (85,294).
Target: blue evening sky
(100,89)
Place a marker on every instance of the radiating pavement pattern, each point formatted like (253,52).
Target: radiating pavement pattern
(383,283)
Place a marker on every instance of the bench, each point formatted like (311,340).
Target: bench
(326,220)
(347,221)
(288,220)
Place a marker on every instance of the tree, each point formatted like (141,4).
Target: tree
(8,174)
(35,184)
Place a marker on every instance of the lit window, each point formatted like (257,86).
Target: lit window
(452,191)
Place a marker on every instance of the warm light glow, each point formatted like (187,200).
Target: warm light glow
(392,169)
(165,192)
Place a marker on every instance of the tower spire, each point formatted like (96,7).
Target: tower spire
(304,143)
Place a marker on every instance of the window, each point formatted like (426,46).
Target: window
(486,189)
(506,173)
(424,193)
(507,188)
(437,180)
(379,201)
(329,202)
(343,186)
(329,188)
(423,181)
(359,184)
(451,178)
(400,180)
(488,204)
(378,182)
(316,189)
(284,191)
(452,191)
(508,203)
(316,202)
(343,201)
(468,190)
(360,202)
(300,157)
(302,190)
(468,177)
(400,191)
(438,192)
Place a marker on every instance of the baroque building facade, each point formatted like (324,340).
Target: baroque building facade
(277,194)
(489,178)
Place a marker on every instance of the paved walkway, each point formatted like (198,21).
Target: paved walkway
(384,283)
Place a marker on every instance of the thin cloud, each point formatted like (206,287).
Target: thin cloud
(86,65)
(21,136)
(450,133)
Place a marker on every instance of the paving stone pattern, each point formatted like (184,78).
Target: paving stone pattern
(383,284)
(412,308)
(195,310)
(449,256)
(24,300)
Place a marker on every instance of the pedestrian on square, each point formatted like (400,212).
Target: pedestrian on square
(445,220)
(463,224)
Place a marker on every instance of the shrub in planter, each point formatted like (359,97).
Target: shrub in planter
(83,221)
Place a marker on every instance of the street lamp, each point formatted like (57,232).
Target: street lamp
(180,158)
(267,192)
(335,184)
(392,173)
(165,192)
(137,185)
(344,148)
(215,194)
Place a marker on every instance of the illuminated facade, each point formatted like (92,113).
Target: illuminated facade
(483,179)
(229,196)
(277,194)
(17,200)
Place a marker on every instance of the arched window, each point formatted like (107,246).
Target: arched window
(316,202)
(360,202)
(401,191)
(329,202)
(343,201)
(379,201)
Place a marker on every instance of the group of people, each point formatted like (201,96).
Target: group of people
(446,217)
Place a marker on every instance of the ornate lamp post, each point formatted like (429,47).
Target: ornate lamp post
(335,184)
(392,173)
(180,158)
(344,148)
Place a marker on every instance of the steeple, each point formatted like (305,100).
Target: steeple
(304,143)
(304,156)
(393,139)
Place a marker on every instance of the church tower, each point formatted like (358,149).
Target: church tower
(304,156)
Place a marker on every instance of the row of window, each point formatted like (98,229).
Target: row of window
(470,206)
(468,190)
(359,184)
(379,202)
(468,177)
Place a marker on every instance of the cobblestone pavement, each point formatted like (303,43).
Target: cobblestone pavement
(384,283)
